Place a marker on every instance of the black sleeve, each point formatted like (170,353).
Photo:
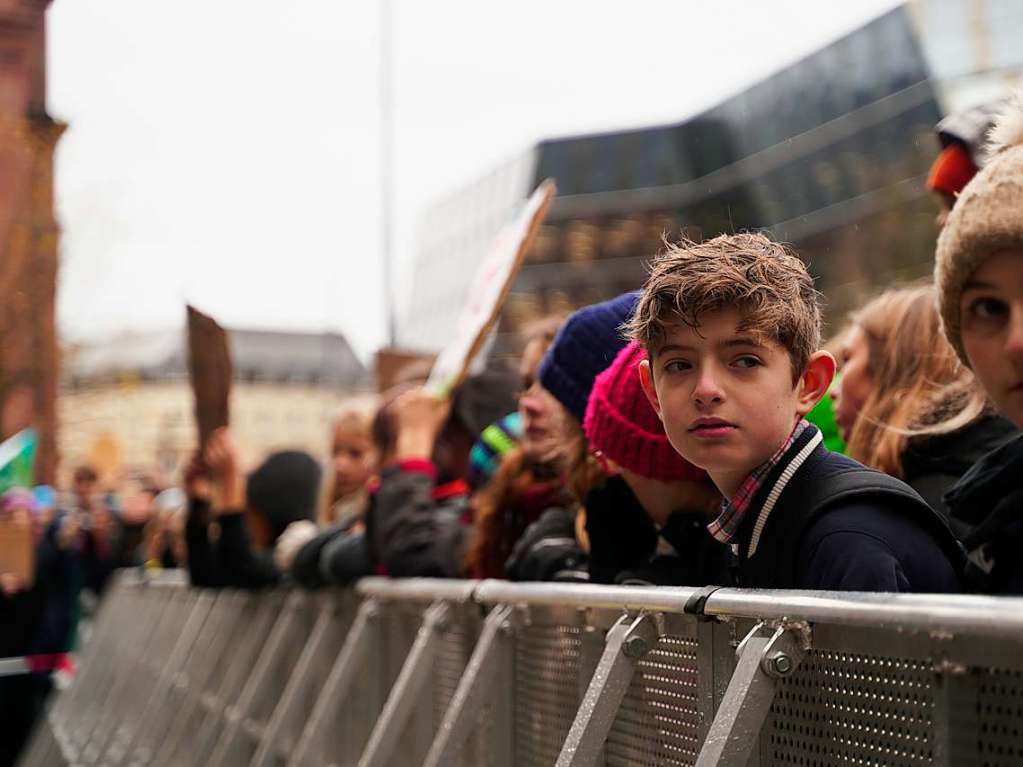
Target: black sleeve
(305,569)
(240,565)
(410,534)
(202,563)
(346,558)
(622,536)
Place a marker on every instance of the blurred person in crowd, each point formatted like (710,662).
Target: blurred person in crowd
(732,330)
(36,615)
(99,528)
(354,462)
(418,512)
(417,524)
(519,464)
(962,137)
(338,554)
(233,522)
(646,519)
(979,278)
(905,404)
(135,512)
(552,548)
(163,541)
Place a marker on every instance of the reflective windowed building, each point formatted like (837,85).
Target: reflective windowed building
(829,154)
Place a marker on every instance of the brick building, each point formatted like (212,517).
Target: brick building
(28,232)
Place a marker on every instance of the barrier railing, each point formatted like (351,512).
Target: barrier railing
(496,673)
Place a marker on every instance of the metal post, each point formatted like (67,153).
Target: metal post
(411,682)
(475,689)
(764,658)
(956,717)
(335,690)
(627,641)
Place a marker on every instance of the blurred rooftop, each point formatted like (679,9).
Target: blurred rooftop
(259,356)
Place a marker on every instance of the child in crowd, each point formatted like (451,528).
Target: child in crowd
(355,460)
(552,547)
(646,522)
(418,520)
(530,477)
(417,516)
(233,522)
(732,330)
(905,404)
(979,277)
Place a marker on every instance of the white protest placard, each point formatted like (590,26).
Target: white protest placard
(488,291)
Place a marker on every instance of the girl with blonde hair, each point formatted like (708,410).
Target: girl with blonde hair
(905,404)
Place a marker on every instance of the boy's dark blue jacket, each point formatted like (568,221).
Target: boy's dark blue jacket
(821,520)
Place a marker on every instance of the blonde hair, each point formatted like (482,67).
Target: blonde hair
(355,420)
(919,386)
(763,279)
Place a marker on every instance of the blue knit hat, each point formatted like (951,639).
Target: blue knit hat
(585,346)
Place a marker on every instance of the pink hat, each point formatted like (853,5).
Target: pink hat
(621,423)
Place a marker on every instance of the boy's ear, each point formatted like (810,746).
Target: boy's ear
(646,380)
(815,381)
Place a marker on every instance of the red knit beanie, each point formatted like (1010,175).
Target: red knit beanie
(621,423)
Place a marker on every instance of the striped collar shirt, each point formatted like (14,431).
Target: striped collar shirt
(733,510)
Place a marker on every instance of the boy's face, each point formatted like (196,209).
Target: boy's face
(991,324)
(726,396)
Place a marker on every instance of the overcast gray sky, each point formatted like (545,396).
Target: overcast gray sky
(226,152)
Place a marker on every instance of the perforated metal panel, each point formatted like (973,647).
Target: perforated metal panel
(452,658)
(1000,716)
(448,668)
(659,721)
(546,691)
(842,709)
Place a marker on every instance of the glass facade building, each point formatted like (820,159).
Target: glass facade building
(829,154)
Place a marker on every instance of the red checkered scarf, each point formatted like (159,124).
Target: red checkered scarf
(733,510)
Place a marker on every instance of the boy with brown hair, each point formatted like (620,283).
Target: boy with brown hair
(732,331)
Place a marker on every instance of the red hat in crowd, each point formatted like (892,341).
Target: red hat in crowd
(951,171)
(621,423)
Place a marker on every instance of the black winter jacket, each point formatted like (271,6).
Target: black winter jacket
(989,501)
(548,550)
(337,556)
(414,528)
(229,561)
(932,465)
(627,548)
(868,541)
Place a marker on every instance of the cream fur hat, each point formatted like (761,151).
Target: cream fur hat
(987,217)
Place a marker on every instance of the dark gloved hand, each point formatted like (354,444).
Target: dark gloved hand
(547,549)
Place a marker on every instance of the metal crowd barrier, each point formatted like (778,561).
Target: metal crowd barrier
(428,672)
